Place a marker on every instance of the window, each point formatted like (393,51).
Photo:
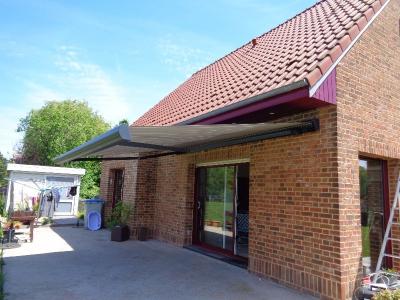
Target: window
(222,208)
(116,184)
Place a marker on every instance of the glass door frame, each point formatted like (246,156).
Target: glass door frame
(388,261)
(196,207)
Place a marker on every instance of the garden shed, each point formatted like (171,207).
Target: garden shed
(27,181)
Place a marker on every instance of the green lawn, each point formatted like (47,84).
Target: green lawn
(214,211)
(366,248)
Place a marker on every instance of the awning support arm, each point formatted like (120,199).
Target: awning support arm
(150,146)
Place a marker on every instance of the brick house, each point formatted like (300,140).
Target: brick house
(294,156)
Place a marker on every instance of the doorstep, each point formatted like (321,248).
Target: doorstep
(241,263)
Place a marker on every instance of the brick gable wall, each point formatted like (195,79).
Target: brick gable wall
(368,110)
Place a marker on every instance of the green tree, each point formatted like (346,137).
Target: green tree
(58,127)
(123,122)
(3,170)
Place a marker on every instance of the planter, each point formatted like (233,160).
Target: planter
(22,213)
(80,222)
(120,233)
(216,223)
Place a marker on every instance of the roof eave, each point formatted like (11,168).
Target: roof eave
(248,101)
(314,87)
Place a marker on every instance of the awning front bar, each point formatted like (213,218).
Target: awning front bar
(121,136)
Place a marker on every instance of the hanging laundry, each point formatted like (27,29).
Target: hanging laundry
(73,190)
(48,196)
(56,194)
(47,205)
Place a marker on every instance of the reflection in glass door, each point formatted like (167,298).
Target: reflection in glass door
(217,210)
(222,208)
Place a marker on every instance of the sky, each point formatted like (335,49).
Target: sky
(122,57)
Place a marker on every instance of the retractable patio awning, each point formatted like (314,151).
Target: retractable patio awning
(128,142)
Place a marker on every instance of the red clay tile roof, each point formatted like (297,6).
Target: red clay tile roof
(303,47)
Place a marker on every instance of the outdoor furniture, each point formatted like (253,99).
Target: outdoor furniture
(8,235)
(25,216)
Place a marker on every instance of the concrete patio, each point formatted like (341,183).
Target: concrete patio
(74,263)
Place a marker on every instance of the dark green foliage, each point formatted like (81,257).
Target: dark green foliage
(3,170)
(216,183)
(123,122)
(58,127)
(120,214)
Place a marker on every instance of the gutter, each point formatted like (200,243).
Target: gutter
(248,101)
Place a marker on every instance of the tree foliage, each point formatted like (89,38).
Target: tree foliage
(3,170)
(58,127)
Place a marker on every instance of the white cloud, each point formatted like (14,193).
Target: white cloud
(73,79)
(77,79)
(183,58)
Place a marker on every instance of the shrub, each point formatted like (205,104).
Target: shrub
(120,214)
(45,220)
(80,215)
(3,211)
(387,295)
(35,207)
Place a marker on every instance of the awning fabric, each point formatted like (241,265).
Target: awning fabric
(132,141)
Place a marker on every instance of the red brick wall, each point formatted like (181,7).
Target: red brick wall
(293,204)
(106,187)
(304,190)
(294,225)
(139,191)
(174,199)
(368,109)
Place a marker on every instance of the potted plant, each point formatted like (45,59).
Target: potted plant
(80,217)
(117,222)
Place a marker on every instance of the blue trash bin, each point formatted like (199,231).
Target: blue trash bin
(95,220)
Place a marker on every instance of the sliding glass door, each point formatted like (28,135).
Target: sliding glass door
(218,208)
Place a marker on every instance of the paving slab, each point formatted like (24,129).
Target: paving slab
(74,263)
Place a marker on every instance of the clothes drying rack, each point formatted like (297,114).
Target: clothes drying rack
(42,192)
